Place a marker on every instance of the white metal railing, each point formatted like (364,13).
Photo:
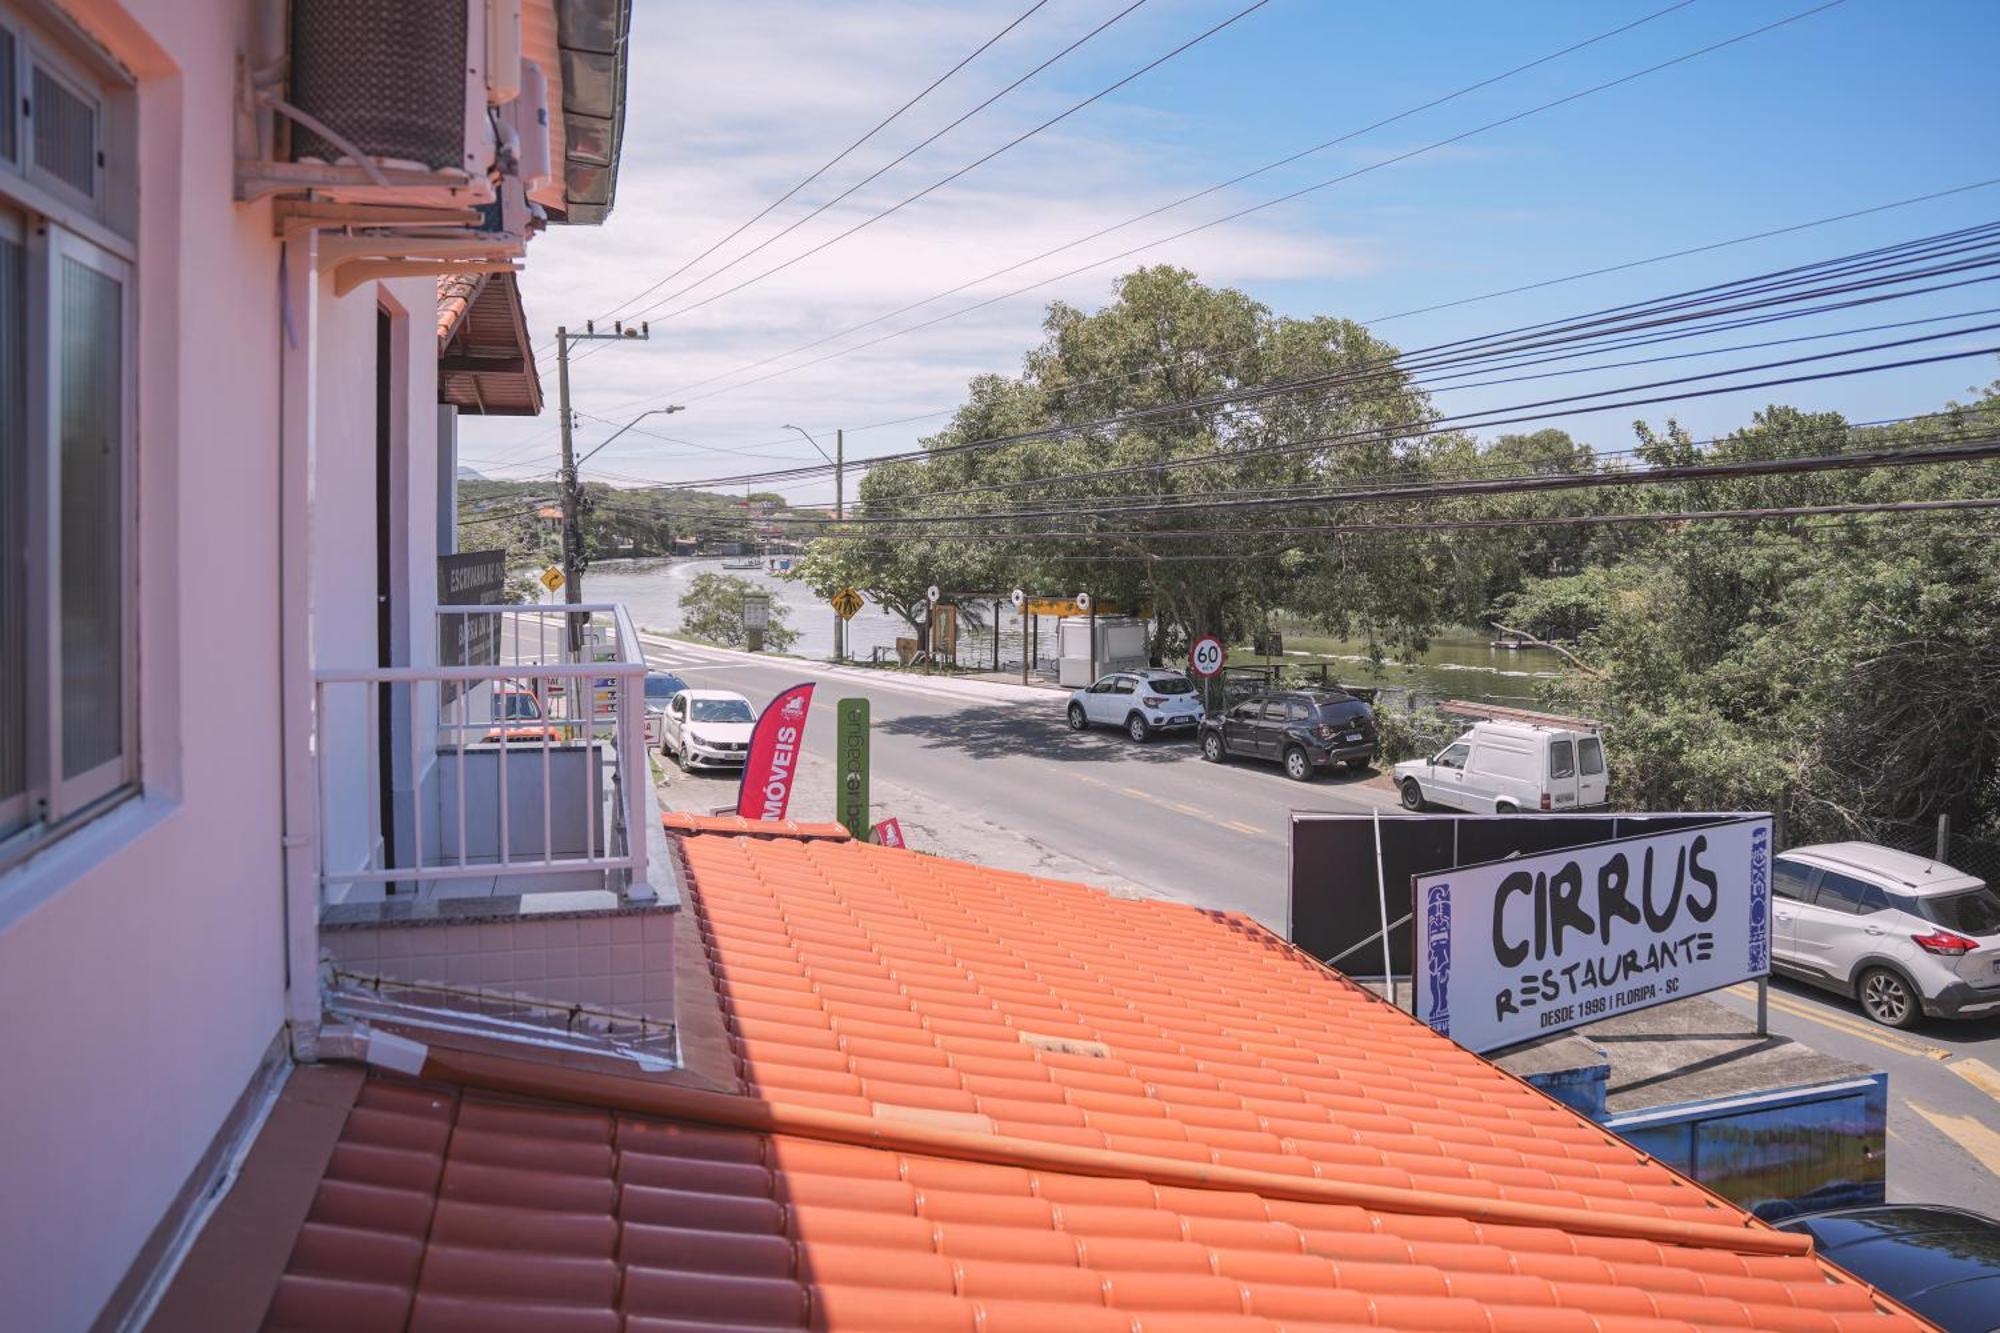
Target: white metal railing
(531,762)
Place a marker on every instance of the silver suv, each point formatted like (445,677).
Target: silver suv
(1904,936)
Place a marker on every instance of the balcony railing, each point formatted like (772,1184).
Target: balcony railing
(518,767)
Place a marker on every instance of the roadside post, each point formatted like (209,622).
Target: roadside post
(931,595)
(1089,608)
(756,619)
(1205,658)
(846,603)
(1019,597)
(851,766)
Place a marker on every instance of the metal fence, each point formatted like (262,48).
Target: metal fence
(528,770)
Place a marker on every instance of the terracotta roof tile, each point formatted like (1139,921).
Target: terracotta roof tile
(930,998)
(682,821)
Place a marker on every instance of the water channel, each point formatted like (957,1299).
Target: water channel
(1459,665)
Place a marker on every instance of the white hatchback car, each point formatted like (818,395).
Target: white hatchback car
(1141,702)
(1905,936)
(707,729)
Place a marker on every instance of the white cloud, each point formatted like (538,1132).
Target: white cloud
(731,105)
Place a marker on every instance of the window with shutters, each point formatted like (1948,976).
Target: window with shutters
(68,704)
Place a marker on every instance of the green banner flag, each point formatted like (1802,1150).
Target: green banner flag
(850,796)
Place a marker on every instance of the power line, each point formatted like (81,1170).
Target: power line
(1467,524)
(837,158)
(1232,353)
(1786,287)
(971,166)
(1285,161)
(1281,199)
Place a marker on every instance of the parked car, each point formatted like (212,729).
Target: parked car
(517,716)
(1943,1263)
(1499,767)
(1905,936)
(1142,702)
(1305,730)
(707,729)
(660,687)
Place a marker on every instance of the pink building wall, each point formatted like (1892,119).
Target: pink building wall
(142,960)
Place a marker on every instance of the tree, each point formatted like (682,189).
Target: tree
(712,610)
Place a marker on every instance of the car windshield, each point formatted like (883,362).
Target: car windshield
(1974,912)
(664,687)
(721,710)
(513,707)
(1170,685)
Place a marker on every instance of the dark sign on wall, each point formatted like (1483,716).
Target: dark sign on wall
(1334,910)
(470,578)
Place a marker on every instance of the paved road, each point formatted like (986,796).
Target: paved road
(1151,814)
(1156,815)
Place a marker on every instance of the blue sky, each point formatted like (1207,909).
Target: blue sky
(1864,103)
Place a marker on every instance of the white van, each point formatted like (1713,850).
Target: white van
(1509,766)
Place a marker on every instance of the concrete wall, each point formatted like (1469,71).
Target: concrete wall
(142,964)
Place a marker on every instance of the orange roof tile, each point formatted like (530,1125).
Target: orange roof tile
(685,821)
(1128,1071)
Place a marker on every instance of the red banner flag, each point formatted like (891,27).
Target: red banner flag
(773,760)
(889,833)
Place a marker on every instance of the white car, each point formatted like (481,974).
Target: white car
(1903,935)
(1503,767)
(661,687)
(707,729)
(1141,702)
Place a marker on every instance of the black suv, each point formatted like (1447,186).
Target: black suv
(1304,730)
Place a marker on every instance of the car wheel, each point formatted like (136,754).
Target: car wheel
(1413,795)
(1211,748)
(682,759)
(1136,728)
(1077,721)
(1297,767)
(1888,999)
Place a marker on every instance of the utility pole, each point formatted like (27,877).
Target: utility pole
(839,461)
(841,511)
(572,531)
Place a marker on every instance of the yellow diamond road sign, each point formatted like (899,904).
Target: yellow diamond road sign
(846,603)
(552,578)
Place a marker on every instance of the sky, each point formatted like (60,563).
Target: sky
(1862,103)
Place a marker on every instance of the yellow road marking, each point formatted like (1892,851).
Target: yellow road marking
(1840,1022)
(1980,1075)
(1967,1133)
(1139,795)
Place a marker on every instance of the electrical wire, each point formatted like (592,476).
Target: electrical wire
(842,155)
(1185,199)
(971,166)
(1271,203)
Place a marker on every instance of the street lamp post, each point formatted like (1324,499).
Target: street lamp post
(839,461)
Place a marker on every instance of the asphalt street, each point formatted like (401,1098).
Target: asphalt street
(1155,817)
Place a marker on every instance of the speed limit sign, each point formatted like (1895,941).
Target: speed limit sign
(1206,656)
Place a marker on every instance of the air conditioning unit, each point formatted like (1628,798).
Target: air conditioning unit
(402,90)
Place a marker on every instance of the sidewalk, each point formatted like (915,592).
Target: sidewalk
(983,687)
(929,824)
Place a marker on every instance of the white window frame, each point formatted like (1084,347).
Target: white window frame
(54,224)
(30,56)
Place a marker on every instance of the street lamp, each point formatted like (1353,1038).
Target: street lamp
(649,412)
(839,460)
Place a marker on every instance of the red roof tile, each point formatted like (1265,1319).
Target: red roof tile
(1301,1155)
(684,821)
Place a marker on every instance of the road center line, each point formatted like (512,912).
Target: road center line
(1967,1133)
(1841,1023)
(1979,1074)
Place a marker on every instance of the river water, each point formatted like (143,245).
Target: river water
(1457,666)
